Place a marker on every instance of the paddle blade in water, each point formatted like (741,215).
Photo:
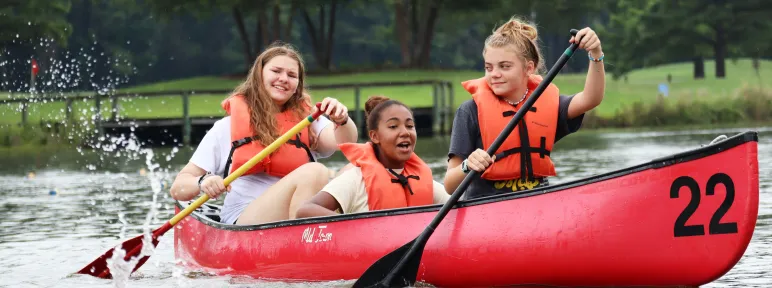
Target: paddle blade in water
(381,273)
(133,248)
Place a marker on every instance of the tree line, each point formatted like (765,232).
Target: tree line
(100,44)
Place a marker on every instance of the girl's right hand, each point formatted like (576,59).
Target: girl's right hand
(214,186)
(479,160)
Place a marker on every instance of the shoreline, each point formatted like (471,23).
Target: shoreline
(59,142)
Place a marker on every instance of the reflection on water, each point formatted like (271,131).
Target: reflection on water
(77,204)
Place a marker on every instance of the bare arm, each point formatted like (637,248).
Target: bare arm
(330,136)
(185,185)
(478,161)
(322,204)
(346,133)
(454,175)
(594,89)
(595,84)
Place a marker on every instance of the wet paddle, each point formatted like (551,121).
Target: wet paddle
(400,267)
(99,268)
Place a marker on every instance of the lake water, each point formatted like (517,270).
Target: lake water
(79,203)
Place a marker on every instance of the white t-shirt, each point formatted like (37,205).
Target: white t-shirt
(350,192)
(212,154)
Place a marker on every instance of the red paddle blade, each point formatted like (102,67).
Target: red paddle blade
(133,247)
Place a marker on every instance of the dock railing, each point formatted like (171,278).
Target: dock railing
(442,102)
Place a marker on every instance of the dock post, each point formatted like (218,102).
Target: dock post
(357,113)
(114,108)
(24,106)
(451,106)
(442,108)
(435,108)
(68,111)
(98,115)
(186,128)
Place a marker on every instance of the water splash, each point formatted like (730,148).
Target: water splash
(119,268)
(63,73)
(73,74)
(122,219)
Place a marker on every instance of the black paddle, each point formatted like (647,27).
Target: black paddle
(400,267)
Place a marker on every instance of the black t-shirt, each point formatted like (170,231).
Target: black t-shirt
(466,128)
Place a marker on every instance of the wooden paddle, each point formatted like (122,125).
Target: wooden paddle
(400,267)
(99,267)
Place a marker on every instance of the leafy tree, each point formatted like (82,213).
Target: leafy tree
(239,10)
(34,19)
(666,30)
(30,29)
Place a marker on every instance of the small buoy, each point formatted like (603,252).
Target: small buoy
(52,192)
(142,172)
(31,175)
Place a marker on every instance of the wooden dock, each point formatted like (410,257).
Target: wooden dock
(172,130)
(187,130)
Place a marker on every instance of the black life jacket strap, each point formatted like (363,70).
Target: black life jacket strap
(299,144)
(403,180)
(246,140)
(525,156)
(234,145)
(525,149)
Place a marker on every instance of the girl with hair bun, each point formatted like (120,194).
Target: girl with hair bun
(384,173)
(512,62)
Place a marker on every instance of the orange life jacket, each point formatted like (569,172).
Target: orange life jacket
(386,189)
(533,141)
(243,146)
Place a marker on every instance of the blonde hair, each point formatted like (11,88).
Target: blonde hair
(261,106)
(521,36)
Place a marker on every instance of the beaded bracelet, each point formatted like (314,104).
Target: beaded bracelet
(589,55)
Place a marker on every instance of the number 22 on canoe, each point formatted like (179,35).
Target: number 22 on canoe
(400,267)
(98,267)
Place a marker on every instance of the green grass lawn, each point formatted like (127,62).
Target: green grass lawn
(641,86)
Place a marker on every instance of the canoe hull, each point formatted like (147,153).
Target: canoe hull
(622,228)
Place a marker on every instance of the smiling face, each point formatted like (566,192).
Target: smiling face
(395,136)
(505,71)
(280,78)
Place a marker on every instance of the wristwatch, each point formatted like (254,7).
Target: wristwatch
(200,179)
(464,167)
(344,122)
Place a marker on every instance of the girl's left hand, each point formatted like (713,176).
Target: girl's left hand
(335,110)
(589,40)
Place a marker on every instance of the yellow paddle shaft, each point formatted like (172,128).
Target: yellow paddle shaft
(256,159)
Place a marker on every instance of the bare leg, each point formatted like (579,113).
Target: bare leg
(281,201)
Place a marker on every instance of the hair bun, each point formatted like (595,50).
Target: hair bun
(529,31)
(515,27)
(373,101)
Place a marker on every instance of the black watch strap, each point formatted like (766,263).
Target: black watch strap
(464,167)
(200,179)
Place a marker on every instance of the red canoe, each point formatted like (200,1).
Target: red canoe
(685,219)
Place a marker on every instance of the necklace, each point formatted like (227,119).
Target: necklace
(518,102)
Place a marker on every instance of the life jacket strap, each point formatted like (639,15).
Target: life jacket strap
(246,140)
(542,150)
(525,149)
(299,144)
(234,145)
(403,180)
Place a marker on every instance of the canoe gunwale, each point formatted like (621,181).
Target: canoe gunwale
(658,163)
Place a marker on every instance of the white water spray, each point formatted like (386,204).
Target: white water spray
(119,268)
